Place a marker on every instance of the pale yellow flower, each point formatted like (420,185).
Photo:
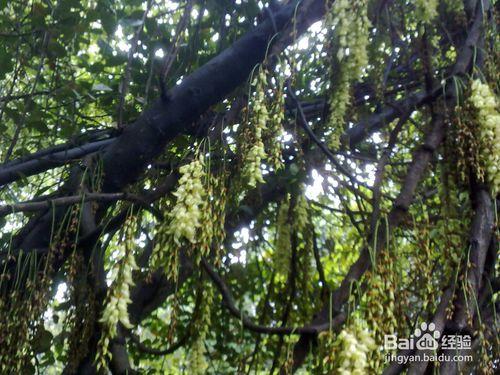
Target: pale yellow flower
(485,102)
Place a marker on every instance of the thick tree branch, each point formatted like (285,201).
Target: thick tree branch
(34,206)
(37,163)
(142,141)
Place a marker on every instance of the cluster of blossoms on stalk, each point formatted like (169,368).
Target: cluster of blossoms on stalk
(350,19)
(275,125)
(261,132)
(304,229)
(251,171)
(196,358)
(383,300)
(349,353)
(212,233)
(183,221)
(351,23)
(197,363)
(356,345)
(293,222)
(283,232)
(488,118)
(118,298)
(185,216)
(426,10)
(195,221)
(255,154)
(301,213)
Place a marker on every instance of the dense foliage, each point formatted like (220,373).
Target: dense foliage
(217,186)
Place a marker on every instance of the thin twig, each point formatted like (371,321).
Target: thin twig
(315,139)
(127,76)
(174,48)
(34,206)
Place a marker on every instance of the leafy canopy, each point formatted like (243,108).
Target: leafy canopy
(203,186)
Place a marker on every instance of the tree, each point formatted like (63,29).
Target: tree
(246,187)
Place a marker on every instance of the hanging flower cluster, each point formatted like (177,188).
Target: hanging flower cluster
(356,344)
(183,220)
(488,118)
(383,301)
(423,260)
(261,135)
(212,231)
(21,309)
(283,232)
(293,224)
(350,19)
(304,230)
(301,213)
(453,226)
(467,143)
(185,216)
(253,160)
(351,24)
(197,363)
(488,339)
(195,221)
(15,338)
(275,125)
(338,107)
(81,319)
(118,298)
(426,10)
(349,353)
(254,152)
(216,216)
(380,308)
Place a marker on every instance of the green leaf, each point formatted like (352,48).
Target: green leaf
(56,49)
(6,63)
(28,369)
(131,22)
(42,341)
(37,121)
(39,13)
(101,87)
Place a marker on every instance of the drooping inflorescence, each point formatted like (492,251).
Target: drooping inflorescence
(183,221)
(196,357)
(260,134)
(349,352)
(488,119)
(350,22)
(253,151)
(185,216)
(194,222)
(118,297)
(283,232)
(197,363)
(274,129)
